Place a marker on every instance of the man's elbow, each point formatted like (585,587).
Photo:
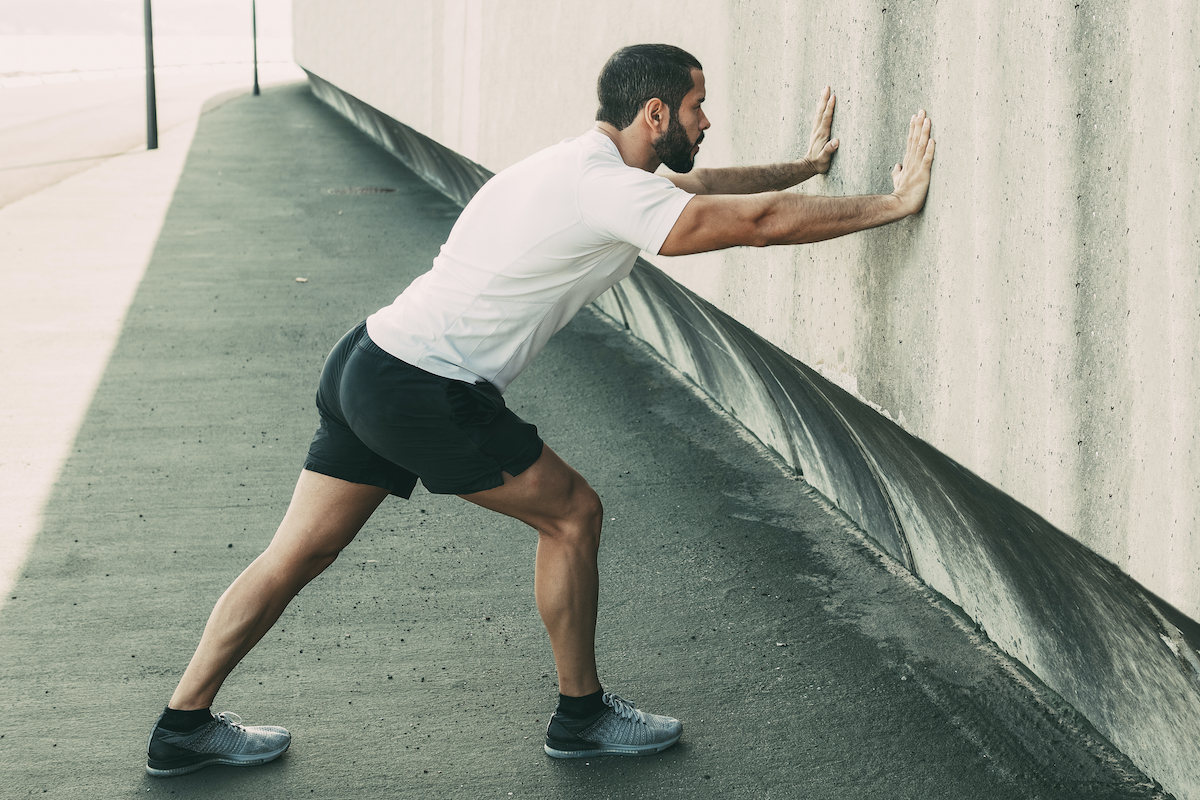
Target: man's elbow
(700,182)
(763,230)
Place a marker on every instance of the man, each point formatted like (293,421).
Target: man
(415,391)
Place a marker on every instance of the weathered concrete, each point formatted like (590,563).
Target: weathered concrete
(803,662)
(1037,322)
(1121,655)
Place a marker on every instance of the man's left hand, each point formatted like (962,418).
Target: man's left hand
(820,147)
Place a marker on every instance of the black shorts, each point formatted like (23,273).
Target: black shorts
(387,423)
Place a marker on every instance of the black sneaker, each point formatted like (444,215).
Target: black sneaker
(621,729)
(223,741)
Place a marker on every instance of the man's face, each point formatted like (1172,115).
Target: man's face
(677,148)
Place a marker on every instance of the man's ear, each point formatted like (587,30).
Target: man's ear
(656,115)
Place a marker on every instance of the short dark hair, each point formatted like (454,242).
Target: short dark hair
(639,73)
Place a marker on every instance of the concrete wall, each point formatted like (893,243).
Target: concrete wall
(1038,323)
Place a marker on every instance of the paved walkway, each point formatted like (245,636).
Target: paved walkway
(81,206)
(801,664)
(49,132)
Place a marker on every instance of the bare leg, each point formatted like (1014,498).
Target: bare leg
(557,502)
(324,516)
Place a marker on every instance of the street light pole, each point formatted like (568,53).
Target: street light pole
(151,103)
(254,35)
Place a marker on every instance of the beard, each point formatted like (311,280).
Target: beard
(674,148)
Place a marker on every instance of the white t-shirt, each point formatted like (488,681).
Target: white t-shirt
(538,242)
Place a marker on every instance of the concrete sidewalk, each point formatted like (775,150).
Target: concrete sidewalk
(49,132)
(801,662)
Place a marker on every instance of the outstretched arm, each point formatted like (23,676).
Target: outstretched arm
(771,177)
(720,221)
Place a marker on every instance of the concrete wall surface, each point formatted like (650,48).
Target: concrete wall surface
(1038,322)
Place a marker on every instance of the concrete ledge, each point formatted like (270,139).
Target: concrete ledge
(777,398)
(1121,656)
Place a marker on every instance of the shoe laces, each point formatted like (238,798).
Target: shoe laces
(231,719)
(623,708)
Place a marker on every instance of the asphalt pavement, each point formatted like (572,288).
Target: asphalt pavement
(803,663)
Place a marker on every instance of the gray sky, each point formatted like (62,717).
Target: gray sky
(171,17)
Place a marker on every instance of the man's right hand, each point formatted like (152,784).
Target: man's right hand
(910,178)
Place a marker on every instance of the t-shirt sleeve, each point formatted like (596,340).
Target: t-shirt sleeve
(630,205)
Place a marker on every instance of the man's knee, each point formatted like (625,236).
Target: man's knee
(319,562)
(302,564)
(590,509)
(578,519)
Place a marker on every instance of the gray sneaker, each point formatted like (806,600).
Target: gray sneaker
(621,729)
(223,741)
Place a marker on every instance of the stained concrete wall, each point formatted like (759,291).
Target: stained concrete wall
(1037,323)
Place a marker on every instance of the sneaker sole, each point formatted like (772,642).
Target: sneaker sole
(215,758)
(613,749)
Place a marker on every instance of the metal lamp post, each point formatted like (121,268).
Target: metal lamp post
(151,104)
(254,35)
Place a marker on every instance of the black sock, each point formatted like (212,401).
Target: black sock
(581,707)
(184,721)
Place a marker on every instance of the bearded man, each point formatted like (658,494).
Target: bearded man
(416,390)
